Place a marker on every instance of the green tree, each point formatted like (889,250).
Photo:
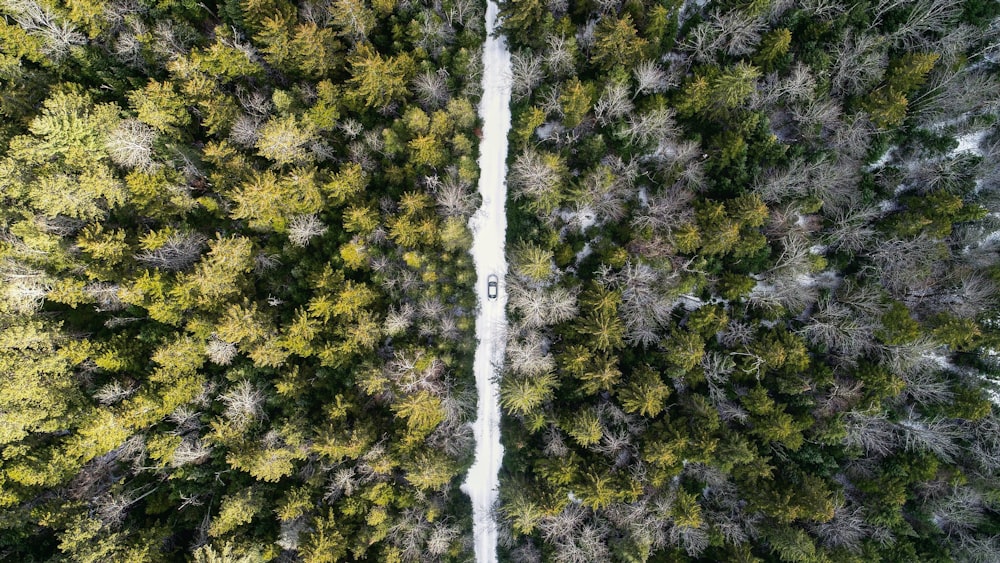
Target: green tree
(773,47)
(235,510)
(286,141)
(377,81)
(326,543)
(39,394)
(770,421)
(644,392)
(524,395)
(577,99)
(617,42)
(354,18)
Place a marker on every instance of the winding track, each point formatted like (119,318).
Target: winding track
(489,228)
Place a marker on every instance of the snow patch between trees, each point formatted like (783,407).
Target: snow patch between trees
(489,228)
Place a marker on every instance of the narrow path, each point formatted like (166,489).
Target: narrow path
(489,228)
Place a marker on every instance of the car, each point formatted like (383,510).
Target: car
(492,286)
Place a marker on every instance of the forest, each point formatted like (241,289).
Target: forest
(753,296)
(754,282)
(236,290)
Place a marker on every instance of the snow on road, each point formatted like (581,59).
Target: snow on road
(489,228)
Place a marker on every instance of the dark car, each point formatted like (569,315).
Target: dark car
(492,286)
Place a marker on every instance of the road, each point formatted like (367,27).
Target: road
(489,228)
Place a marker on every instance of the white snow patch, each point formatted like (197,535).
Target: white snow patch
(643,197)
(583,218)
(489,228)
(970,143)
(887,206)
(689,302)
(827,279)
(882,160)
(548,130)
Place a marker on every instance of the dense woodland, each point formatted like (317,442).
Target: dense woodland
(754,282)
(237,300)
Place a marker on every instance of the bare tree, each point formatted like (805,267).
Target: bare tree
(463,12)
(665,211)
(852,227)
(789,183)
(840,330)
(841,396)
(559,56)
(431,88)
(822,114)
(978,549)
(58,35)
(679,156)
(985,444)
(453,196)
(167,41)
(555,445)
(24,289)
(410,534)
(949,174)
(924,19)
(645,302)
(846,530)
(105,295)
(219,351)
(952,95)
(532,304)
(924,387)
(693,540)
(703,42)
(655,125)
(938,436)
(835,182)
(859,63)
(244,404)
(906,359)
(973,294)
(190,451)
(246,130)
(614,103)
(441,538)
(651,78)
(177,253)
(604,194)
(61,225)
(736,334)
(550,101)
(853,137)
(398,320)
(908,266)
(130,145)
(531,176)
(871,432)
(128,47)
(526,74)
(737,31)
(527,354)
(303,228)
(526,552)
(113,392)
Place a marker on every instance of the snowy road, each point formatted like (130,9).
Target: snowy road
(489,228)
